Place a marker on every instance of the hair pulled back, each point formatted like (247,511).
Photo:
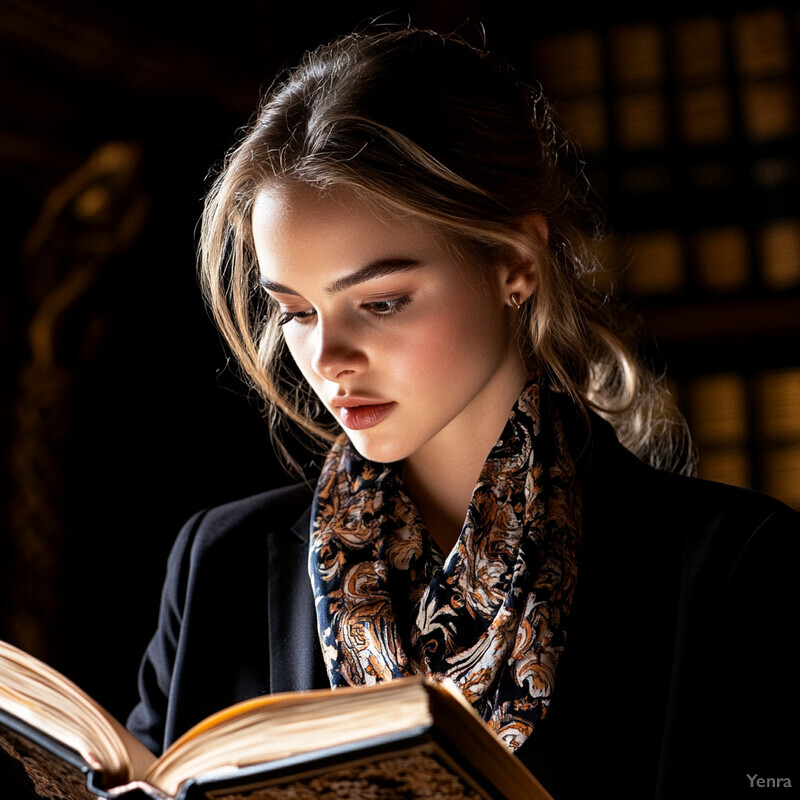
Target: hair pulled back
(424,123)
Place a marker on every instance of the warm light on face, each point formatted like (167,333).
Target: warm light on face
(406,347)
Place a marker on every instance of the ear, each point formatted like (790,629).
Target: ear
(519,274)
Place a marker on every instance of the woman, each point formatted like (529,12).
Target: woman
(405,221)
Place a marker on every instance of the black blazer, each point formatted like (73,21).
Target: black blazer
(676,681)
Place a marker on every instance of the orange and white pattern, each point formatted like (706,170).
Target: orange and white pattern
(492,615)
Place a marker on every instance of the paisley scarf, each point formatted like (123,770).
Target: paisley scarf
(491,615)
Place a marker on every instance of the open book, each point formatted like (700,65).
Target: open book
(401,739)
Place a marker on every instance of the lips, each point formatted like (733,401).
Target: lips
(359,413)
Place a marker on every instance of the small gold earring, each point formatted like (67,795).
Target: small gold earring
(516,300)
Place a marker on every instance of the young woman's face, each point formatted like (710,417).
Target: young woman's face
(408,348)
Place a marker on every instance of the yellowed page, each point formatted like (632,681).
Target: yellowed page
(44,698)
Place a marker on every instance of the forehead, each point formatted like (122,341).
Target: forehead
(282,205)
(297,227)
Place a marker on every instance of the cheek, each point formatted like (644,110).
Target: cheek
(301,351)
(441,347)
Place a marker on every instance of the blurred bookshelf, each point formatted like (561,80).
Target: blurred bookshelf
(690,127)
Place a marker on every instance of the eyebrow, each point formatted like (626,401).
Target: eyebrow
(377,269)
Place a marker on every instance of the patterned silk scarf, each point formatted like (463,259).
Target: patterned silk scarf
(492,614)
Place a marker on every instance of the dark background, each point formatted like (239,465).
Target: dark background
(121,416)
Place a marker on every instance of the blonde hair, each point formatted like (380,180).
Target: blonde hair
(425,124)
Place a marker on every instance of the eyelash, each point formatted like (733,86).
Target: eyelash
(396,305)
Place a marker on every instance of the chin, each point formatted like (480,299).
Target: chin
(380,451)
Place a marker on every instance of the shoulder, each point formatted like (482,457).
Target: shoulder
(712,528)
(275,512)
(731,538)
(702,506)
(221,540)
(610,470)
(280,506)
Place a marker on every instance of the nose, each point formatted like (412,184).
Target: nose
(336,353)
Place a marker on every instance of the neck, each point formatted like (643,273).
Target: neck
(441,477)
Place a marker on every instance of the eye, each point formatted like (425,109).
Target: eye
(299,316)
(385,308)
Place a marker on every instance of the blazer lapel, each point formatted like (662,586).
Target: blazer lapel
(295,654)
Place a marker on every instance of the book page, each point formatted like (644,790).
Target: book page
(42,697)
(292,725)
(280,726)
